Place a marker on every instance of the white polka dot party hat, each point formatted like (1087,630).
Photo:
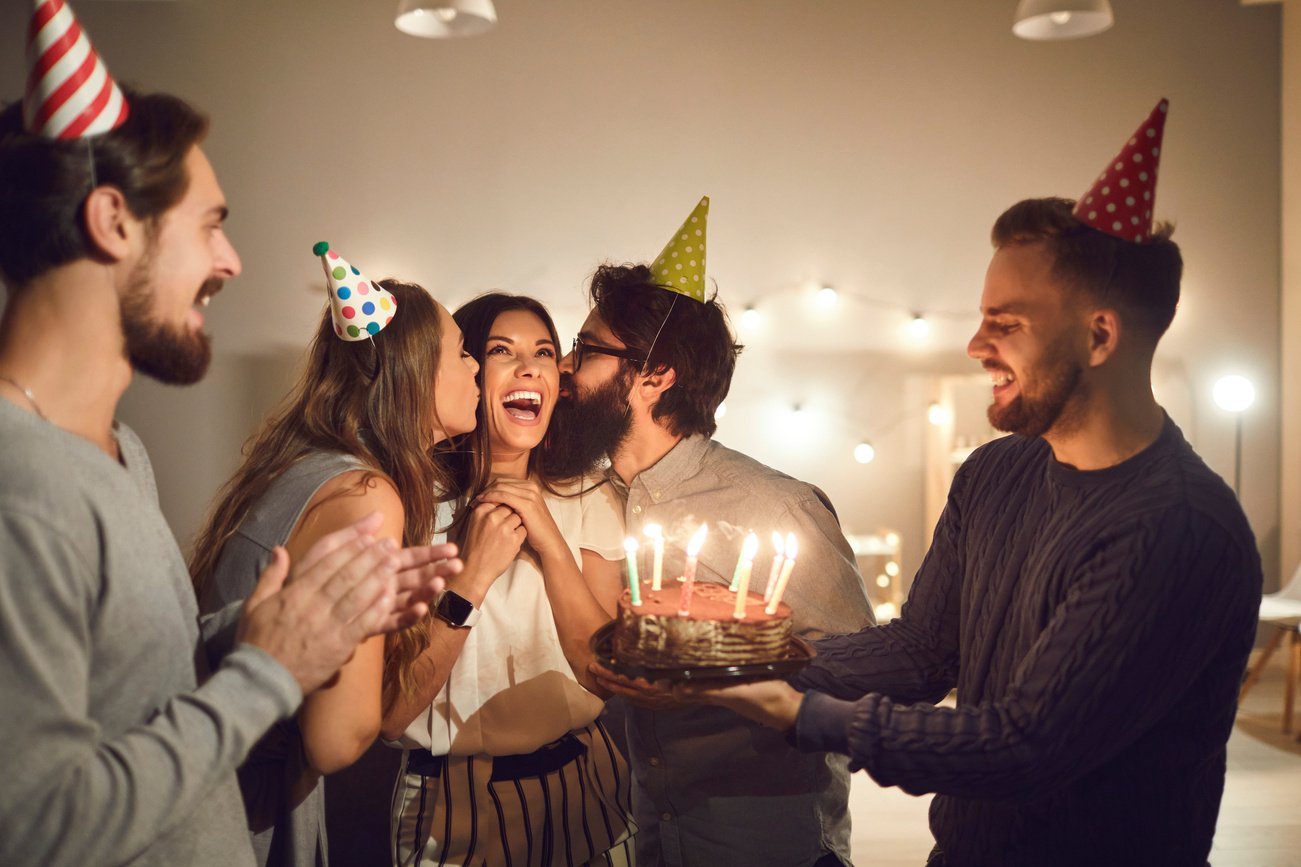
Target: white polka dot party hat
(70,93)
(1121,200)
(361,308)
(681,265)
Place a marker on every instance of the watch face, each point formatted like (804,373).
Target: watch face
(454,608)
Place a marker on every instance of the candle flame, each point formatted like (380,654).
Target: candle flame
(777,542)
(791,547)
(697,541)
(750,548)
(630,545)
(654,531)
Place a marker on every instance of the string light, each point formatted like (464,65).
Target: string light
(864,453)
(938,414)
(751,318)
(918,328)
(827,297)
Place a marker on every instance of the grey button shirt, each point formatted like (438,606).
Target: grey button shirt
(711,788)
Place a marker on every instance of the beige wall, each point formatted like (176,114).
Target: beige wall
(867,144)
(1290,475)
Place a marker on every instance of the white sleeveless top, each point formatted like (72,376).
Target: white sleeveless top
(512,690)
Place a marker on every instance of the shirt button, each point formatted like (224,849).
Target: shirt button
(666,817)
(654,761)
(636,510)
(656,496)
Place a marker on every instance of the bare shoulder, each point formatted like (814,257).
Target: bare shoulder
(344,500)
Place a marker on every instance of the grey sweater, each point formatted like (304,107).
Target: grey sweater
(111,754)
(1096,626)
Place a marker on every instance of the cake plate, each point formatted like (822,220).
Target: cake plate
(798,655)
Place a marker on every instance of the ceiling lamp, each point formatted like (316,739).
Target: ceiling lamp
(443,19)
(1061,19)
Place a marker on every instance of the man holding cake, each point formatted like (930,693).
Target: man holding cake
(650,366)
(1092,587)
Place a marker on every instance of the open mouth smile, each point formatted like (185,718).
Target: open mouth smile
(524,407)
(1001,379)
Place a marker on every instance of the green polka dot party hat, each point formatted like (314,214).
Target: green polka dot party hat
(681,265)
(361,307)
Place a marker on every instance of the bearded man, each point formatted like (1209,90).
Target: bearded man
(648,371)
(120,742)
(1092,587)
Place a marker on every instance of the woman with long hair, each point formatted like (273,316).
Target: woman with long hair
(354,437)
(506,761)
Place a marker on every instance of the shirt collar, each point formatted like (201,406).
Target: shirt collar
(681,463)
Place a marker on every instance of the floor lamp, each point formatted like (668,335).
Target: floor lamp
(1235,394)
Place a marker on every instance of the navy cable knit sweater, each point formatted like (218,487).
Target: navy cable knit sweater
(1096,626)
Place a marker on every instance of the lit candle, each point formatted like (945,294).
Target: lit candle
(785,576)
(743,567)
(776,566)
(689,571)
(634,589)
(656,533)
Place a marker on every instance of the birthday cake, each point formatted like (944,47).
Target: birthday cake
(653,634)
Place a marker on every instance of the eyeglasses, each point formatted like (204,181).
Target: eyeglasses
(581,347)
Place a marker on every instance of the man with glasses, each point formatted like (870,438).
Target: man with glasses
(646,374)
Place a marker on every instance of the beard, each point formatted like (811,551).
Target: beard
(168,353)
(587,427)
(1058,381)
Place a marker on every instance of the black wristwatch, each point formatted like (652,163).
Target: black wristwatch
(456,610)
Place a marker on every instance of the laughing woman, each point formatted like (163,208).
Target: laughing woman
(506,762)
(356,436)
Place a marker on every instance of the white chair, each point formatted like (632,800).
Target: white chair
(1281,610)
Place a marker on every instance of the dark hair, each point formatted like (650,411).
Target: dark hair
(373,399)
(690,337)
(1139,279)
(44,182)
(471,462)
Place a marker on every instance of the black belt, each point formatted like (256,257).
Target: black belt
(545,759)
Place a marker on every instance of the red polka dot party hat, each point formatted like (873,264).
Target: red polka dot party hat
(1121,200)
(70,93)
(361,308)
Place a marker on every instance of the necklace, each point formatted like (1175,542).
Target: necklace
(27,393)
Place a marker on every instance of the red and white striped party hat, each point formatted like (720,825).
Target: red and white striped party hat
(1121,200)
(70,93)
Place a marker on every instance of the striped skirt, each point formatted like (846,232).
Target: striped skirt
(568,803)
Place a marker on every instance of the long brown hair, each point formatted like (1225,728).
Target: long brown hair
(471,462)
(372,399)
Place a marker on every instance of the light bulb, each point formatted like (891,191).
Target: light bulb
(882,580)
(864,453)
(720,412)
(750,318)
(891,568)
(1060,18)
(892,539)
(938,414)
(827,297)
(447,15)
(917,328)
(1233,393)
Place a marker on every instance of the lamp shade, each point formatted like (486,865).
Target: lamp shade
(1061,19)
(444,19)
